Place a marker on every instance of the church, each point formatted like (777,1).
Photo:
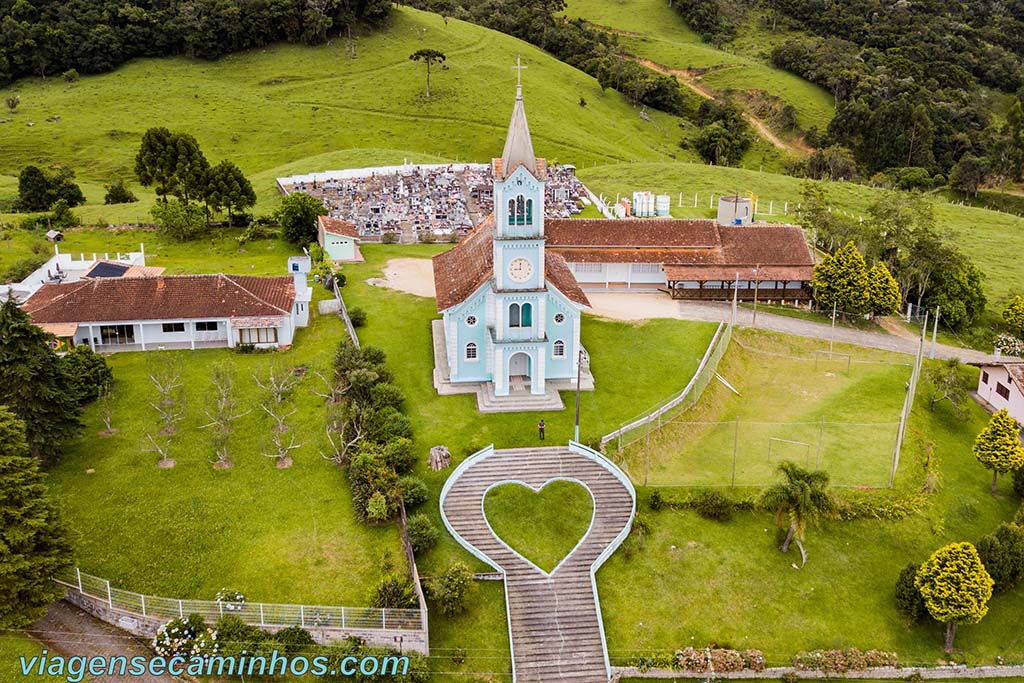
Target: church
(511,309)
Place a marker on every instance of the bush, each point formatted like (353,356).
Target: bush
(357,315)
(394,591)
(386,395)
(840,661)
(259,229)
(234,636)
(1002,553)
(399,455)
(1018,482)
(711,504)
(423,534)
(188,637)
(294,639)
(450,589)
(656,502)
(88,371)
(70,76)
(413,491)
(389,238)
(118,193)
(909,600)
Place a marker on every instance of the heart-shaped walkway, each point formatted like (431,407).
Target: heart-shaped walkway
(554,620)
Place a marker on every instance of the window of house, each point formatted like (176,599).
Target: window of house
(173,327)
(207,326)
(257,335)
(471,351)
(1003,390)
(984,377)
(527,315)
(513,316)
(559,318)
(559,349)
(587,267)
(117,334)
(471,320)
(646,267)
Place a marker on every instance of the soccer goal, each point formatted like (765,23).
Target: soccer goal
(786,449)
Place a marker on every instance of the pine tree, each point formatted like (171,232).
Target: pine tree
(998,446)
(841,279)
(955,586)
(883,291)
(33,540)
(34,383)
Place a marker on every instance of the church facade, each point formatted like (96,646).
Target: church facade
(511,309)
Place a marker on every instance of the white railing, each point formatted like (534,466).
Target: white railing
(252,613)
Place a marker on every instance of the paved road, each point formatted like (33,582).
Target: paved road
(69,631)
(554,619)
(722,312)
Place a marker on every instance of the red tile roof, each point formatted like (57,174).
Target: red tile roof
(631,232)
(465,268)
(162,298)
(336,226)
(675,273)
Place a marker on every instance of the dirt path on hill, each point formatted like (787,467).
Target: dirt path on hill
(68,631)
(690,80)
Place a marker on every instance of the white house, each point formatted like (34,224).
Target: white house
(339,239)
(65,268)
(175,312)
(1001,385)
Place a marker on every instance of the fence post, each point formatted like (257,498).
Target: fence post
(821,437)
(110,598)
(78,573)
(384,619)
(220,607)
(143,604)
(261,614)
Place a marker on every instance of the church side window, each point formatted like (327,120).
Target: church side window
(520,210)
(559,349)
(527,315)
(511,212)
(514,319)
(529,212)
(471,351)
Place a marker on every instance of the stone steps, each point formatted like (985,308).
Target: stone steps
(517,401)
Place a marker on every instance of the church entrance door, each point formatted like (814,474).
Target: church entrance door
(519,369)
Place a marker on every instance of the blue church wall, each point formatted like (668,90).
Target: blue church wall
(471,370)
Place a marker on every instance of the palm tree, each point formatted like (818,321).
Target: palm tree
(803,498)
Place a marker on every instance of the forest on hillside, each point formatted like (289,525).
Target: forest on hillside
(911,78)
(53,37)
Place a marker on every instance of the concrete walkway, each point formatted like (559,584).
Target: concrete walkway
(660,306)
(554,619)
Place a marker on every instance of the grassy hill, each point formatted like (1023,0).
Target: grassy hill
(653,30)
(272,107)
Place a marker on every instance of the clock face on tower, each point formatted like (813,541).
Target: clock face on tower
(520,270)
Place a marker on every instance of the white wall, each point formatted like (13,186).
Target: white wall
(997,374)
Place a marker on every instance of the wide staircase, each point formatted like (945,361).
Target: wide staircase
(555,620)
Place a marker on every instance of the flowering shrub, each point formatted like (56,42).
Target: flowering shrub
(839,661)
(231,600)
(722,660)
(188,637)
(1009,344)
(754,660)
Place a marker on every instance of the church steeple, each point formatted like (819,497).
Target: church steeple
(518,146)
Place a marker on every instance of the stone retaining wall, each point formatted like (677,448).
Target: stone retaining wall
(879,673)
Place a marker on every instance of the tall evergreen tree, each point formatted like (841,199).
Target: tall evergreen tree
(883,291)
(33,539)
(34,383)
(841,279)
(998,446)
(955,586)
(228,188)
(1013,315)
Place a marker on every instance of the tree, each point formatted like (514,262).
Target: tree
(958,288)
(88,371)
(947,385)
(173,163)
(179,220)
(909,600)
(39,190)
(33,537)
(449,590)
(165,374)
(228,188)
(802,499)
(429,57)
(841,280)
(968,175)
(12,102)
(118,193)
(955,587)
(34,383)
(298,215)
(998,446)
(1013,315)
(883,291)
(1002,553)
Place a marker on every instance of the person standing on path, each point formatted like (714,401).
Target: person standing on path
(540,428)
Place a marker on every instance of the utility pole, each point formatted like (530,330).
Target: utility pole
(757,286)
(832,339)
(579,374)
(935,331)
(735,297)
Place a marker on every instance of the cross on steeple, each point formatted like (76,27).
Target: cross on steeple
(519,74)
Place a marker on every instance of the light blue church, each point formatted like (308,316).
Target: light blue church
(511,311)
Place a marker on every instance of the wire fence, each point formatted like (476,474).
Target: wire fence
(252,613)
(640,428)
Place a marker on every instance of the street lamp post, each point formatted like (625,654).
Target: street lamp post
(579,375)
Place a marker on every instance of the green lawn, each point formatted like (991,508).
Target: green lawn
(542,526)
(787,386)
(652,29)
(15,644)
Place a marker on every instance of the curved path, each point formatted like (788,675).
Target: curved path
(554,619)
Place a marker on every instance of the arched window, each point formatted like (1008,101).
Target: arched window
(529,212)
(511,212)
(513,316)
(559,349)
(471,351)
(527,315)
(520,210)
